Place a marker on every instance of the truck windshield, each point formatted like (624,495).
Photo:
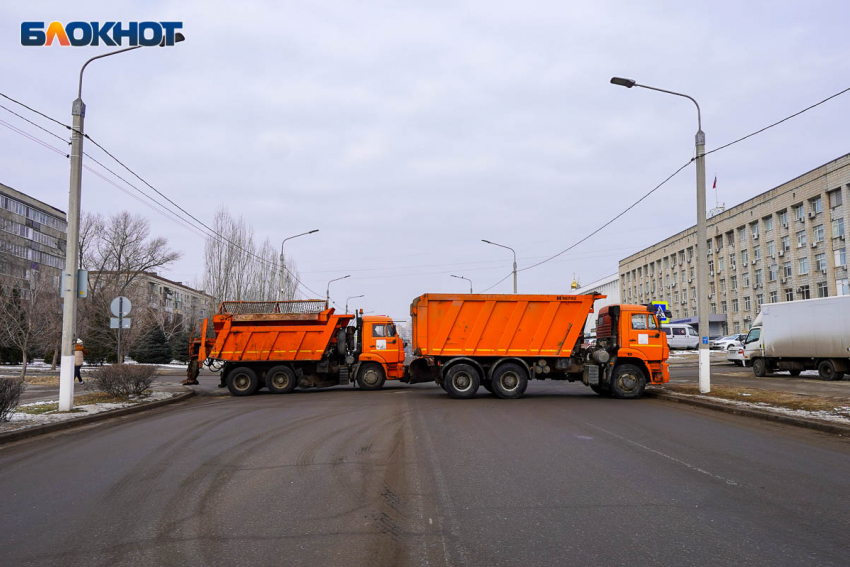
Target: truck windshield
(753,336)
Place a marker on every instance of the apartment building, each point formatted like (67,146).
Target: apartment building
(786,244)
(32,237)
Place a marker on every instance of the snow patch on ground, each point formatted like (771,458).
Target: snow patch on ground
(20,420)
(837,415)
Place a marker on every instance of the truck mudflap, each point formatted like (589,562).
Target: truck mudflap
(421,370)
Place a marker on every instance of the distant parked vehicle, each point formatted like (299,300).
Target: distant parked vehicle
(725,342)
(735,353)
(801,335)
(680,335)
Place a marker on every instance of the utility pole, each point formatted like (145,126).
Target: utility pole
(509,248)
(283,264)
(69,276)
(701,248)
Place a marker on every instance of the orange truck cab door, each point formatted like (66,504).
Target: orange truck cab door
(644,338)
(383,344)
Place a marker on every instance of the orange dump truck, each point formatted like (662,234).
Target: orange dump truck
(463,341)
(283,344)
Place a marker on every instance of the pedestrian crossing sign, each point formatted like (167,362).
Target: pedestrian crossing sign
(661,311)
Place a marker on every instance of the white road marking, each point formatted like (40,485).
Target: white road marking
(665,455)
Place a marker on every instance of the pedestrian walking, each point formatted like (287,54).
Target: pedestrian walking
(79,353)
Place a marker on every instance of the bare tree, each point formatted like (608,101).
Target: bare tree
(28,313)
(236,269)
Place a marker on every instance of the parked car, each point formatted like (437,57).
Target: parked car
(735,353)
(725,342)
(681,336)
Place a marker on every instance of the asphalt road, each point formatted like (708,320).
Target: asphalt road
(407,476)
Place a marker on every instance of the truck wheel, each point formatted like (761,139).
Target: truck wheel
(794,372)
(280,380)
(462,381)
(601,390)
(242,381)
(759,368)
(827,371)
(371,376)
(510,381)
(628,382)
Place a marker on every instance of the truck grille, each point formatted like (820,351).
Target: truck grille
(253,307)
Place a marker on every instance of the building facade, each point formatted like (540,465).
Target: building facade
(32,238)
(785,244)
(608,286)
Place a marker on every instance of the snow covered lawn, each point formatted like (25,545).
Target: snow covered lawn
(40,413)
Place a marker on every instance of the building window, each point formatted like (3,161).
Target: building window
(742,234)
(805,293)
(786,270)
(837,228)
(757,253)
(842,286)
(721,264)
(819,233)
(730,238)
(734,306)
(723,286)
(675,297)
(754,227)
(772,272)
(759,301)
(747,303)
(801,238)
(745,256)
(840,257)
(771,249)
(835,198)
(745,279)
(768,224)
(820,262)
(785,243)
(789,295)
(713,308)
(817,205)
(758,277)
(774,297)
(783,219)
(681,256)
(737,327)
(823,289)
(723,307)
(800,213)
(803,266)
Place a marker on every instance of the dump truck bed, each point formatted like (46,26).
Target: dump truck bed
(498,325)
(274,330)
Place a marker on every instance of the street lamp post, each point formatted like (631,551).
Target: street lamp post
(328,292)
(509,248)
(352,297)
(702,251)
(470,281)
(283,265)
(69,276)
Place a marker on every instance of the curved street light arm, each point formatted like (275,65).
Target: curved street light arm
(699,114)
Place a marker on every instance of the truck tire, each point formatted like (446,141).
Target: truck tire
(371,376)
(628,382)
(759,368)
(462,381)
(242,381)
(280,380)
(603,391)
(827,371)
(510,381)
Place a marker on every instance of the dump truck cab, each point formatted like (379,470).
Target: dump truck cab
(632,336)
(382,344)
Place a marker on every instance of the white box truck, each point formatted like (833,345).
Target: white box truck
(813,334)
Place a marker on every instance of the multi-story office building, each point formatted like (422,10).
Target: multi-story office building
(785,244)
(32,238)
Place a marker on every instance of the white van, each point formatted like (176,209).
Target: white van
(681,336)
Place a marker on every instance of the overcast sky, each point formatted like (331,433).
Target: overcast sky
(408,131)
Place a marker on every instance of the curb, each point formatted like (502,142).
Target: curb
(21,434)
(748,412)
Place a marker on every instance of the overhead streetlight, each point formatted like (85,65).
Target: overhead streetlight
(463,278)
(283,265)
(328,296)
(69,277)
(702,257)
(509,248)
(352,297)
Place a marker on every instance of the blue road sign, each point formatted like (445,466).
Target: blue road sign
(705,340)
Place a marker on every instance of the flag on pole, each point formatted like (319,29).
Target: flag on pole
(715,183)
